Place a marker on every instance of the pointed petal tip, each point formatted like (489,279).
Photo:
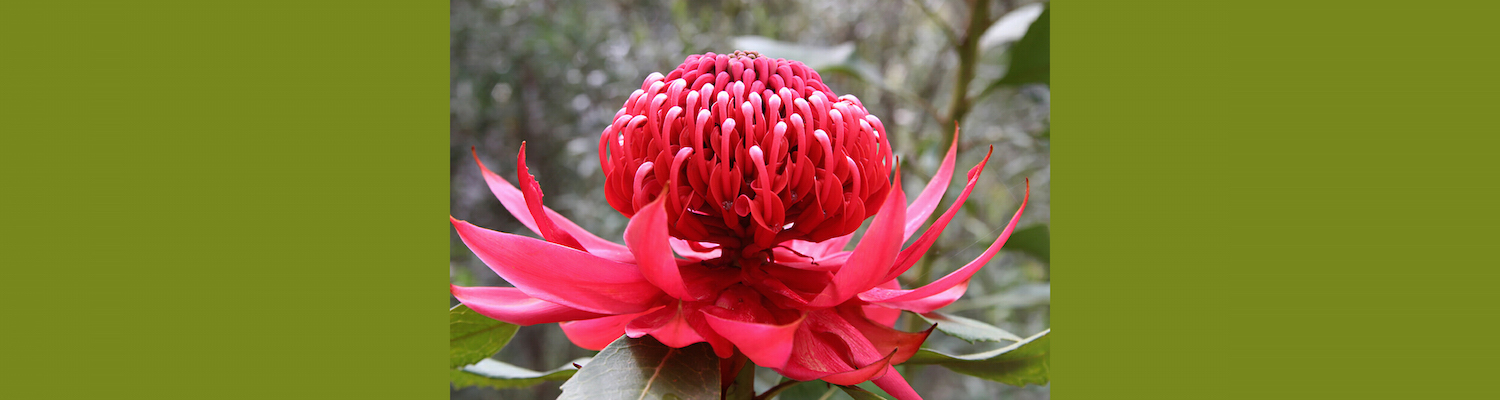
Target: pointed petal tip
(513,306)
(927,201)
(588,282)
(483,169)
(895,385)
(911,254)
(874,370)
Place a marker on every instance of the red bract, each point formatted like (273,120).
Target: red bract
(757,201)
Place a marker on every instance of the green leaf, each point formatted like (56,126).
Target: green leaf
(861,394)
(1027,361)
(644,368)
(1030,57)
(500,375)
(967,329)
(473,337)
(1033,240)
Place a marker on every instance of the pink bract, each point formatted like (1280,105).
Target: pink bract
(744,178)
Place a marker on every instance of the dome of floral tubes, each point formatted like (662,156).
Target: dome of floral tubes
(749,151)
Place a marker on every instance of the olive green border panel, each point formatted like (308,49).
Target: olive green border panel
(1274,200)
(224,200)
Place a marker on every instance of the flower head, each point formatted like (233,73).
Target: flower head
(739,217)
(751,151)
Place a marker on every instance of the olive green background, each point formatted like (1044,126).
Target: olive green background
(1274,200)
(244,200)
(247,200)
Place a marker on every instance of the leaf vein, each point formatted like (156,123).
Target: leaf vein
(655,373)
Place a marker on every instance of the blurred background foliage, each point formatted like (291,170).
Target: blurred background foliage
(553,73)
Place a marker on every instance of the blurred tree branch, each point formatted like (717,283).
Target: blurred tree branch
(942,24)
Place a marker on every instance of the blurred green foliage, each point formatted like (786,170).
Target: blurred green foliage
(553,74)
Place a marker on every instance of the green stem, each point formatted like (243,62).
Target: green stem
(743,387)
(968,56)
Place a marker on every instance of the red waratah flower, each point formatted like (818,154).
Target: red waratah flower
(755,175)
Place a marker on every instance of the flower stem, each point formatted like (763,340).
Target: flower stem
(775,390)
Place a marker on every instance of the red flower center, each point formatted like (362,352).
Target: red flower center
(750,151)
